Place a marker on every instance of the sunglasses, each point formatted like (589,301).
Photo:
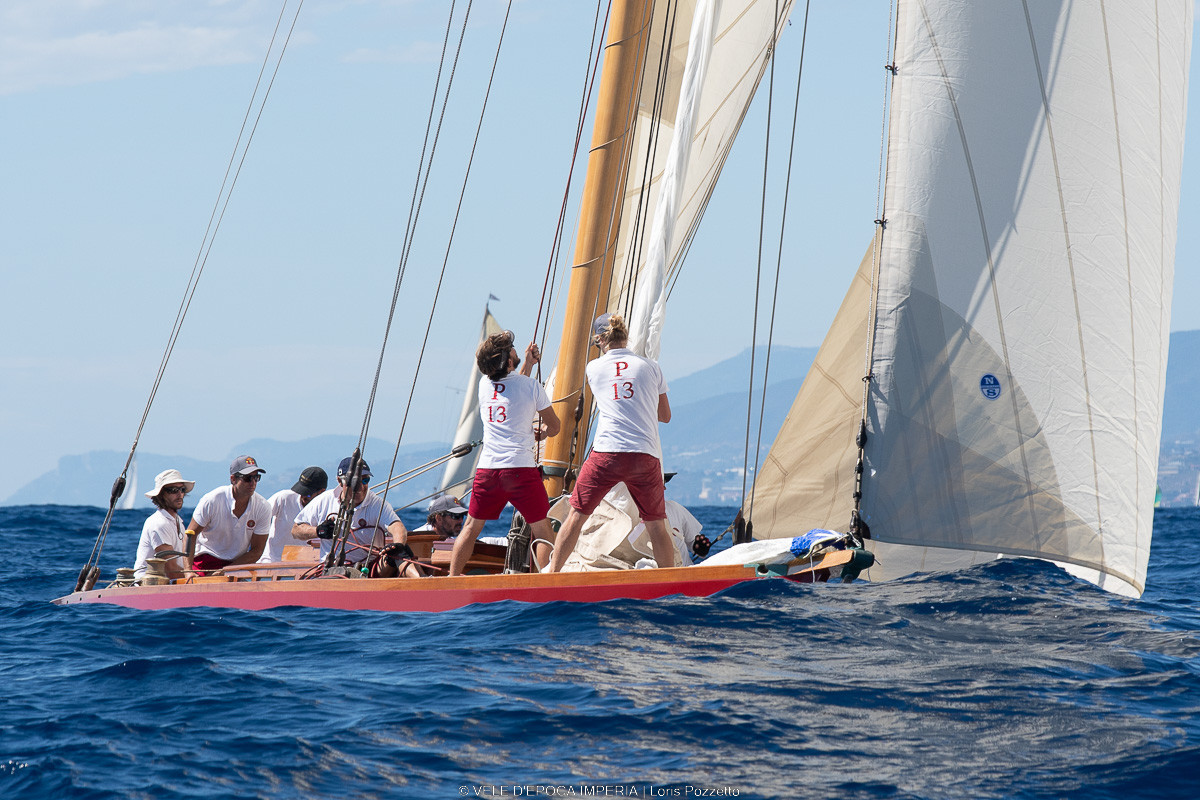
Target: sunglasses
(174,490)
(254,478)
(459,515)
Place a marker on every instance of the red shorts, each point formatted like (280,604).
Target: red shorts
(207,562)
(641,472)
(521,486)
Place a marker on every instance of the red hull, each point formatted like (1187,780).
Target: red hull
(435,594)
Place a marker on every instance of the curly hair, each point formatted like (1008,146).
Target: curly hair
(615,334)
(492,355)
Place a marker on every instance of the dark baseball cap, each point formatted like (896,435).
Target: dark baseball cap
(344,468)
(312,481)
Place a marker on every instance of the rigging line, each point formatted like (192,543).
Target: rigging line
(889,77)
(633,254)
(890,70)
(612,232)
(207,240)
(787,182)
(589,82)
(415,210)
(450,242)
(617,190)
(549,296)
(202,256)
(758,265)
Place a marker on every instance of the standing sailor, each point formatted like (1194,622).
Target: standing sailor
(631,399)
(507,469)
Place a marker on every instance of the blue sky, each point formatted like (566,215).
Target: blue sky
(117,121)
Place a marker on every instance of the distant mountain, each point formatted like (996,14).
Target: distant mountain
(704,443)
(730,375)
(87,479)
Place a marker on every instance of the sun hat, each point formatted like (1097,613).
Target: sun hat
(166,478)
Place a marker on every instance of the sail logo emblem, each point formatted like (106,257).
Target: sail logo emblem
(990,386)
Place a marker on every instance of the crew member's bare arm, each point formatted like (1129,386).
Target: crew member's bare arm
(304,531)
(664,409)
(399,532)
(258,543)
(548,424)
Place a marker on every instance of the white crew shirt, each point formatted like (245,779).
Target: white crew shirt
(226,536)
(285,505)
(367,528)
(508,407)
(626,388)
(161,527)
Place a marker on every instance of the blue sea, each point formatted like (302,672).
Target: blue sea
(1010,680)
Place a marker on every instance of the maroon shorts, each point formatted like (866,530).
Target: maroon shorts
(521,486)
(641,472)
(207,562)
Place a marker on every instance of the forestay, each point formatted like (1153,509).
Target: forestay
(1024,292)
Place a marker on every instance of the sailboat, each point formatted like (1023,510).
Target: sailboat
(457,475)
(1013,311)
(992,384)
(130,496)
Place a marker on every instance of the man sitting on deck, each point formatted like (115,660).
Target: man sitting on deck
(231,522)
(507,470)
(372,517)
(285,505)
(163,530)
(445,517)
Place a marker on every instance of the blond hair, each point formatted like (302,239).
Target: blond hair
(614,333)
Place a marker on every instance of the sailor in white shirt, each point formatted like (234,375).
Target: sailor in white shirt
(163,530)
(285,505)
(232,521)
(372,517)
(507,471)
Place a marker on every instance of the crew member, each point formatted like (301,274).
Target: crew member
(507,469)
(231,522)
(444,517)
(163,530)
(371,518)
(285,505)
(631,399)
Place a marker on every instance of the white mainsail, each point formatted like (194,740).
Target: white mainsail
(1023,294)
(460,471)
(714,53)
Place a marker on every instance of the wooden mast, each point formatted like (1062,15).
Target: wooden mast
(599,222)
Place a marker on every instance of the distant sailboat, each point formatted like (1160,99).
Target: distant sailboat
(456,478)
(131,487)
